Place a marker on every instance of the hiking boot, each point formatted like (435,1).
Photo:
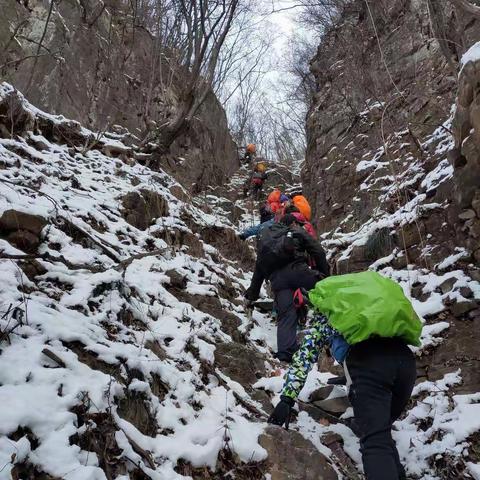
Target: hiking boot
(342,380)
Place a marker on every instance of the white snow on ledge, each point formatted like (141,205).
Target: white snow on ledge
(471,55)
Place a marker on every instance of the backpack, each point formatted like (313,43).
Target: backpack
(363,305)
(275,248)
(308,227)
(258,178)
(302,204)
(260,167)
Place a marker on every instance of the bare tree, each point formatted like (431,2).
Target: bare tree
(205,26)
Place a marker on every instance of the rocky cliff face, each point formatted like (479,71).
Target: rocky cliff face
(105,73)
(394,174)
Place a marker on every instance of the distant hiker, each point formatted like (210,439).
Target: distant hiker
(367,322)
(258,178)
(250,152)
(282,255)
(254,183)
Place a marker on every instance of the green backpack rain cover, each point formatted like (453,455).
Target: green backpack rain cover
(365,304)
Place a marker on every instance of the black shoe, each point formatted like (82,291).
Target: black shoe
(283,357)
(337,380)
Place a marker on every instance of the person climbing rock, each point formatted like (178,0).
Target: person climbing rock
(249,155)
(368,323)
(274,200)
(266,219)
(258,179)
(282,255)
(285,202)
(268,215)
(307,226)
(254,183)
(301,203)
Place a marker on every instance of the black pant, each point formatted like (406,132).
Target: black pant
(383,374)
(284,283)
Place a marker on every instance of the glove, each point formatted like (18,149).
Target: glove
(282,412)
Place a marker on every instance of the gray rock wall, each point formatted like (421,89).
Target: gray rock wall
(465,158)
(387,103)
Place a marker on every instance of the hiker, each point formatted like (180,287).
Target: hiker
(258,178)
(307,226)
(367,322)
(302,204)
(267,215)
(274,200)
(254,184)
(266,219)
(282,259)
(249,155)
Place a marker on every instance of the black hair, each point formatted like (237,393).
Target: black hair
(291,209)
(288,219)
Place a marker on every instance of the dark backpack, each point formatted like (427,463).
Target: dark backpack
(275,248)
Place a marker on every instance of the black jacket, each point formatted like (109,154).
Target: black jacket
(304,245)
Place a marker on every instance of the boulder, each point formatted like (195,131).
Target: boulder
(293,458)
(336,406)
(140,209)
(459,309)
(177,280)
(448,284)
(242,364)
(356,262)
(22,230)
(467,214)
(24,240)
(321,393)
(12,220)
(476,203)
(179,192)
(32,268)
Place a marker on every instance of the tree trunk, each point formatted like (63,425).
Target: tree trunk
(170,132)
